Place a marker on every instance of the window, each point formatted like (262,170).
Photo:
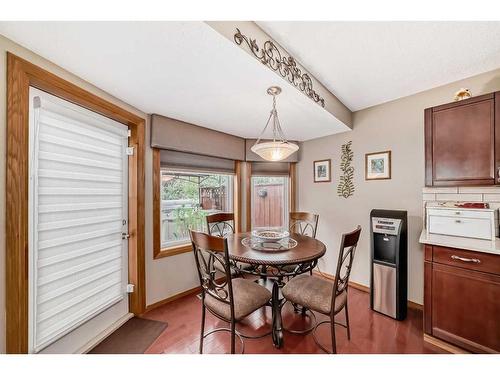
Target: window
(187,198)
(270,201)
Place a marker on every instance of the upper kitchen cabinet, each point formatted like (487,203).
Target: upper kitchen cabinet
(460,144)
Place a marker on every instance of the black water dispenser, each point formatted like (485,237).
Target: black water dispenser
(389,259)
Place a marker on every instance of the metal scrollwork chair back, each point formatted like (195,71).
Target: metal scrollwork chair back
(304,223)
(220,224)
(344,263)
(211,256)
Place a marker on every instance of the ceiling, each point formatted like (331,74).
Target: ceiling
(182,70)
(188,71)
(368,63)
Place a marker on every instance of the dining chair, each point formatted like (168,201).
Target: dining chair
(326,296)
(228,299)
(220,224)
(303,223)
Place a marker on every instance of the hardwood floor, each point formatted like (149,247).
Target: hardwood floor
(371,332)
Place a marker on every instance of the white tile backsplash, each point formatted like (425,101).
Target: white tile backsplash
(428,197)
(479,190)
(488,194)
(439,189)
(491,197)
(459,197)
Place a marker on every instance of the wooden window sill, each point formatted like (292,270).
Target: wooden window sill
(174,250)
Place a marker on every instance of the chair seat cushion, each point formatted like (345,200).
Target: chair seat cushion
(315,293)
(248,297)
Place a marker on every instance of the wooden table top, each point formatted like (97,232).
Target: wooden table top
(307,249)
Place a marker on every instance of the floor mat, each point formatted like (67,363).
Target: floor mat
(134,337)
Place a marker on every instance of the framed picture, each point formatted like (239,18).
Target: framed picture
(378,166)
(322,170)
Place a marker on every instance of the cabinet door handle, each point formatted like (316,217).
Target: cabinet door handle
(458,221)
(469,260)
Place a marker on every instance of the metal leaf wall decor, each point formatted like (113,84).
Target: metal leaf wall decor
(346,186)
(286,66)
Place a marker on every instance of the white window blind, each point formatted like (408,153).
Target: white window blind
(78,212)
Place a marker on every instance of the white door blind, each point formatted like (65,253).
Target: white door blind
(78,212)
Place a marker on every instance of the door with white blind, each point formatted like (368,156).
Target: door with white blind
(78,214)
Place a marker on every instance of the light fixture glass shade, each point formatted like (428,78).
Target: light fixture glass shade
(274,150)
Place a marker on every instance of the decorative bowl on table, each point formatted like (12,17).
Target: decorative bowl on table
(270,235)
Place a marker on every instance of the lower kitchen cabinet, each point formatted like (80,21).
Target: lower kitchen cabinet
(462,298)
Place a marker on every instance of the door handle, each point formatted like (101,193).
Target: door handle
(125,236)
(468,260)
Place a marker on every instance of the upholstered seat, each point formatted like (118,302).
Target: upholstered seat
(315,293)
(248,297)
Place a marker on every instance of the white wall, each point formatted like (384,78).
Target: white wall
(397,126)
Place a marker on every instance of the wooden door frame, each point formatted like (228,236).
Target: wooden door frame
(22,74)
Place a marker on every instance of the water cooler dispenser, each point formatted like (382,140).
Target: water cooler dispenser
(389,253)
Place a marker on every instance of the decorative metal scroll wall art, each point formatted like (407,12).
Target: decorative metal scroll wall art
(286,66)
(346,186)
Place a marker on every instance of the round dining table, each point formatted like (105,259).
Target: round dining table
(274,263)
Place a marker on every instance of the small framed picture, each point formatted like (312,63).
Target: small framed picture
(322,170)
(378,166)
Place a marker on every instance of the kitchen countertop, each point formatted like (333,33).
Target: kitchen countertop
(484,246)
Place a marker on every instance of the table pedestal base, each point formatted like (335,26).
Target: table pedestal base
(277,322)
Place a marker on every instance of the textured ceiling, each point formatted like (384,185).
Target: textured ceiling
(183,70)
(368,63)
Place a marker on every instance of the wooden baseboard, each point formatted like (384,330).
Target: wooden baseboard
(366,289)
(444,345)
(196,289)
(415,306)
(172,298)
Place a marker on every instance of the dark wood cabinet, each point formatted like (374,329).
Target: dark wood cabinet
(462,298)
(460,142)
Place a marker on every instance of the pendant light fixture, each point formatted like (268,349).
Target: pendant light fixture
(279,148)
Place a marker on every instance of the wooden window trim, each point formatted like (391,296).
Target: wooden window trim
(237,195)
(158,251)
(248,186)
(292,173)
(22,74)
